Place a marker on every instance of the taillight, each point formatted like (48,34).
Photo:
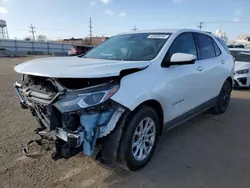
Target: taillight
(78,50)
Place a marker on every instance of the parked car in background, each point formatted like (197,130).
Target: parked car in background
(78,50)
(236,46)
(121,96)
(240,46)
(242,67)
(12,53)
(6,53)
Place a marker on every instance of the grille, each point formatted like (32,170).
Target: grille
(236,83)
(243,81)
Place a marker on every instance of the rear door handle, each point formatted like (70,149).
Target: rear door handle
(199,68)
(223,62)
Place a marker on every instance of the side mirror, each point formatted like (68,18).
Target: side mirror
(181,59)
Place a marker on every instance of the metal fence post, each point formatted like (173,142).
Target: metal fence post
(48,47)
(33,48)
(15,45)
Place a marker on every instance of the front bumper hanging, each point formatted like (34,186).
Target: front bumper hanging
(58,132)
(92,125)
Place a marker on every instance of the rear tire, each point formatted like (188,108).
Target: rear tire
(139,138)
(223,98)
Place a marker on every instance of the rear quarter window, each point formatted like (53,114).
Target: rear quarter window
(223,44)
(217,49)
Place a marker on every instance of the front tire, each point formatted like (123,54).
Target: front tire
(139,138)
(223,98)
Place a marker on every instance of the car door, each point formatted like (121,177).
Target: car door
(183,82)
(209,62)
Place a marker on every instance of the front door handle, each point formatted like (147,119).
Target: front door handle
(223,62)
(199,68)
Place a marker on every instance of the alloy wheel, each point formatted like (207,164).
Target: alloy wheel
(143,139)
(225,97)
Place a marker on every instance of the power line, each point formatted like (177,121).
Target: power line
(90,30)
(32,31)
(200,26)
(134,29)
(229,22)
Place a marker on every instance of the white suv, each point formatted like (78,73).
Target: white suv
(242,67)
(120,96)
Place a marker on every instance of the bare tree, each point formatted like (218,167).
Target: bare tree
(41,38)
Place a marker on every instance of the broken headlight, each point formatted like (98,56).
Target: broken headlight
(76,100)
(91,99)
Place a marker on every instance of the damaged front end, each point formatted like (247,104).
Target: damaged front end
(76,111)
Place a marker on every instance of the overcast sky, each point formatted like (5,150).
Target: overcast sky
(70,18)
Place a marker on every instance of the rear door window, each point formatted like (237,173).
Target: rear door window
(205,46)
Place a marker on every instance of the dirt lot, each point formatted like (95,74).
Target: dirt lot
(206,152)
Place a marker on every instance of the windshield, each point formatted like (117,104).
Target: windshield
(241,55)
(130,47)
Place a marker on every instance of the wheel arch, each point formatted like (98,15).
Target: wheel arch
(230,79)
(156,106)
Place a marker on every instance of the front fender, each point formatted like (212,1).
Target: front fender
(137,88)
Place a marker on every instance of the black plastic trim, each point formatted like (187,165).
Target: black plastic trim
(190,114)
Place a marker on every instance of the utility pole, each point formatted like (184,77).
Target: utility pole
(32,31)
(200,25)
(134,29)
(7,32)
(90,30)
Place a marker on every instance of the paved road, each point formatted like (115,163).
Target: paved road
(206,152)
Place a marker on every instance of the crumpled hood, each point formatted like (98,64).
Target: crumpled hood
(240,65)
(75,67)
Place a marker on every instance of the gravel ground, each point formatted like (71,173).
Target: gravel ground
(206,152)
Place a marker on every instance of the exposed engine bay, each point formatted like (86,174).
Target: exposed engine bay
(78,112)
